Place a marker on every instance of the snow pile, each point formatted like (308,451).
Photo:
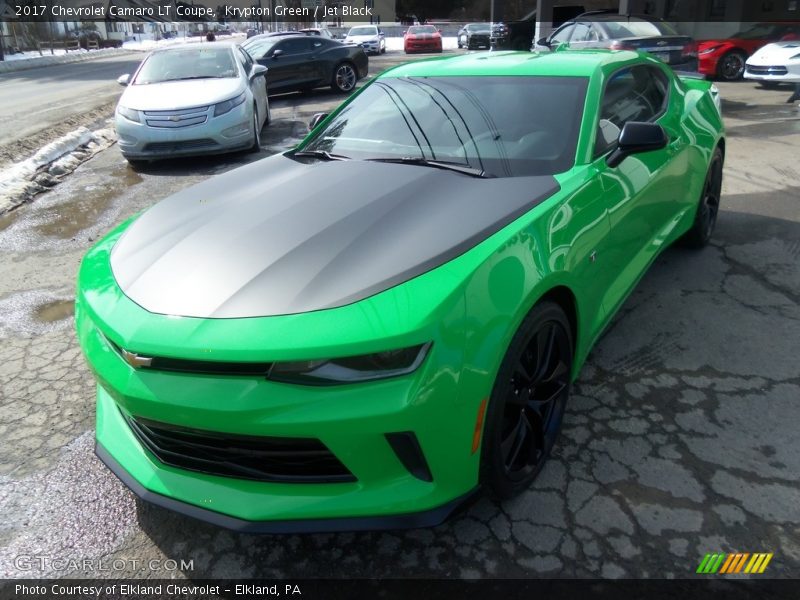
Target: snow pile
(23,180)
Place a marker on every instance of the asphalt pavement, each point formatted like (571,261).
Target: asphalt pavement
(681,437)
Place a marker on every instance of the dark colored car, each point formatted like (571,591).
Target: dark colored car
(304,62)
(607,29)
(318,31)
(518,35)
(725,58)
(474,36)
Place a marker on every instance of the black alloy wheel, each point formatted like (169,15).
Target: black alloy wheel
(528,401)
(708,208)
(344,78)
(731,66)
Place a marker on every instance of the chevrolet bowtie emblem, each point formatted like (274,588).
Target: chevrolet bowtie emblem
(175,118)
(135,360)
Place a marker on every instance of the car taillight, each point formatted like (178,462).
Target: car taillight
(689,49)
(618,45)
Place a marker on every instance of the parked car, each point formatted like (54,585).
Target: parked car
(518,35)
(187,100)
(422,38)
(304,62)
(774,64)
(364,331)
(474,36)
(609,29)
(725,58)
(369,37)
(320,31)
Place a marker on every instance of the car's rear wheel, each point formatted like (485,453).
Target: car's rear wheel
(344,78)
(708,208)
(527,402)
(731,66)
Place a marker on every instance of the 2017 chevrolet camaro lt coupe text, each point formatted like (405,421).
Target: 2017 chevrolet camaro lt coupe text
(364,331)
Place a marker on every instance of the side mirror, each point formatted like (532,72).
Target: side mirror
(637,137)
(276,53)
(316,120)
(543,42)
(123,79)
(257,70)
(439,30)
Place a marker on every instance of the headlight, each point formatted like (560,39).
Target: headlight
(708,50)
(228,105)
(350,369)
(129,113)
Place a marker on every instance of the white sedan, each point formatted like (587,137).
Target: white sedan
(775,63)
(182,101)
(369,37)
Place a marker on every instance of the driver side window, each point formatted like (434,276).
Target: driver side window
(632,94)
(562,35)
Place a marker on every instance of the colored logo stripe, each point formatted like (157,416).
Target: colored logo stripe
(724,563)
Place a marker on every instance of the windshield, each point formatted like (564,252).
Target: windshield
(422,29)
(189,63)
(762,31)
(363,31)
(479,27)
(503,126)
(635,28)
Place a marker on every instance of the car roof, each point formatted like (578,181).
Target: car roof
(568,63)
(177,47)
(613,16)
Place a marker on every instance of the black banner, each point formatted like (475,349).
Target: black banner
(410,589)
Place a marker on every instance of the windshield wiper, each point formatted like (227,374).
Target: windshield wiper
(192,77)
(436,164)
(321,154)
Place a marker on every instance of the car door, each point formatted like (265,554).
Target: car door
(258,85)
(643,194)
(290,64)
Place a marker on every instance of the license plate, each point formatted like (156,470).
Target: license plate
(662,56)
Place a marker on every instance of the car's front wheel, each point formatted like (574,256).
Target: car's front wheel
(731,66)
(527,402)
(344,78)
(705,218)
(256,147)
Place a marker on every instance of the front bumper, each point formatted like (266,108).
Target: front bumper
(428,518)
(789,73)
(226,133)
(423,46)
(353,421)
(371,47)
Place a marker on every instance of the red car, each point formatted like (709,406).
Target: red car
(422,38)
(725,59)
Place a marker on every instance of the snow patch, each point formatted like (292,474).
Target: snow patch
(20,182)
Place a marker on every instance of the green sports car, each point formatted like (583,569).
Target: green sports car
(364,331)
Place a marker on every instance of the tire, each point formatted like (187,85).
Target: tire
(520,43)
(256,147)
(731,65)
(527,402)
(708,207)
(345,78)
(137,163)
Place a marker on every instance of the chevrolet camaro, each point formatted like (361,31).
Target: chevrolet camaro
(364,331)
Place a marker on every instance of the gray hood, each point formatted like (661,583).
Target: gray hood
(280,237)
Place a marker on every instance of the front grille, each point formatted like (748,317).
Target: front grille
(201,144)
(756,70)
(277,460)
(173,119)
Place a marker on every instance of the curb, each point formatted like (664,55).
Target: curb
(61,59)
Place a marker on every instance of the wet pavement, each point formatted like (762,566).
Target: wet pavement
(681,437)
